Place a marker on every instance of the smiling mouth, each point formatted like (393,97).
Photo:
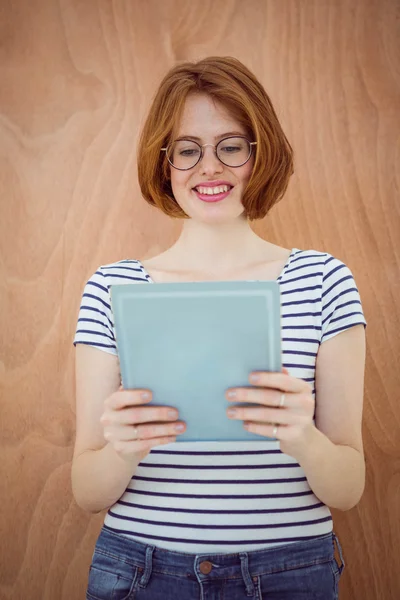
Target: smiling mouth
(214,197)
(209,191)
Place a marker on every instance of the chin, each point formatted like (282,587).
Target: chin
(217,217)
(213,213)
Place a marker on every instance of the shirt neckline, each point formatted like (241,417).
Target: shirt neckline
(283,271)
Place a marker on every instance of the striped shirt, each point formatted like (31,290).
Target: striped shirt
(230,496)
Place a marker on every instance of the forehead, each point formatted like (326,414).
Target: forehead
(202,115)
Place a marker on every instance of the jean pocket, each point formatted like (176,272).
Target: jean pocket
(336,568)
(113,584)
(316,581)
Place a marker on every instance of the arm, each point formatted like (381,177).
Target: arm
(332,453)
(99,474)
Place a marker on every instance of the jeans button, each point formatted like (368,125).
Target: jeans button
(205,567)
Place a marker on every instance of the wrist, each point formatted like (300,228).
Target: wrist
(300,447)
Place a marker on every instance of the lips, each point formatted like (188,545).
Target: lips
(197,187)
(212,197)
(212,185)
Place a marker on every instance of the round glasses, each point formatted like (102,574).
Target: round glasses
(231,151)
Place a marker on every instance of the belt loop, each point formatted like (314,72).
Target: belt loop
(244,563)
(339,547)
(148,566)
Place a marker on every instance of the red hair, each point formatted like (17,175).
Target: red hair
(227,81)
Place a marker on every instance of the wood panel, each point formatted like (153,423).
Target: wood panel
(76,82)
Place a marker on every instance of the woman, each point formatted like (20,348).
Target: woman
(222,520)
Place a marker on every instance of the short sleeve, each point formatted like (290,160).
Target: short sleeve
(95,325)
(341,302)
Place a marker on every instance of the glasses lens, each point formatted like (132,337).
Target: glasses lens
(183,154)
(233,152)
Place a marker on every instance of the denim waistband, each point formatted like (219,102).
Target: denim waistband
(150,558)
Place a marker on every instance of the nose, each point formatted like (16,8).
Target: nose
(209,162)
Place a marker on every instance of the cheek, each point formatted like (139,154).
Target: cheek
(248,168)
(179,179)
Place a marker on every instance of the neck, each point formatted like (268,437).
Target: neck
(205,247)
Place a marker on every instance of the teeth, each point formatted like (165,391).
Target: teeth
(210,191)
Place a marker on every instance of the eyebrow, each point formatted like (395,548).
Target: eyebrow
(216,137)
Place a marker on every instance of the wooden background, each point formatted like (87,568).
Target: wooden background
(76,81)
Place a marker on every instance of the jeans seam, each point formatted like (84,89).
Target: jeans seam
(115,557)
(292,567)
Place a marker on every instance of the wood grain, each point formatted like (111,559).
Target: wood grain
(76,82)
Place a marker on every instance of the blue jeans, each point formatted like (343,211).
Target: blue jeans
(123,569)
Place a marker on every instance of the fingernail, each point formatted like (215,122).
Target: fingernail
(146,396)
(173,414)
(231,412)
(232,394)
(179,427)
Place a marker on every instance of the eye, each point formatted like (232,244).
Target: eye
(189,152)
(231,149)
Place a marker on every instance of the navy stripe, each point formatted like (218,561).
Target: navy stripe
(297,302)
(303,314)
(339,282)
(216,452)
(94,333)
(97,299)
(308,265)
(302,327)
(348,314)
(329,274)
(219,481)
(301,277)
(122,267)
(300,353)
(83,320)
(208,542)
(300,366)
(213,527)
(218,467)
(221,512)
(97,285)
(300,340)
(220,496)
(119,276)
(94,344)
(301,290)
(84,307)
(333,331)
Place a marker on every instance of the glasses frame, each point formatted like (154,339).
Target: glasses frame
(215,152)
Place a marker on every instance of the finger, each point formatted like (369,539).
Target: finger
(256,396)
(267,429)
(264,415)
(135,432)
(129,447)
(280,381)
(141,414)
(300,402)
(156,430)
(124,398)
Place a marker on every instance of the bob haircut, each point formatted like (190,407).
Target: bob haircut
(227,81)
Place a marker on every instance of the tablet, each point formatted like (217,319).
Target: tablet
(189,342)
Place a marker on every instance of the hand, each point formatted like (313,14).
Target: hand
(131,427)
(294,420)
